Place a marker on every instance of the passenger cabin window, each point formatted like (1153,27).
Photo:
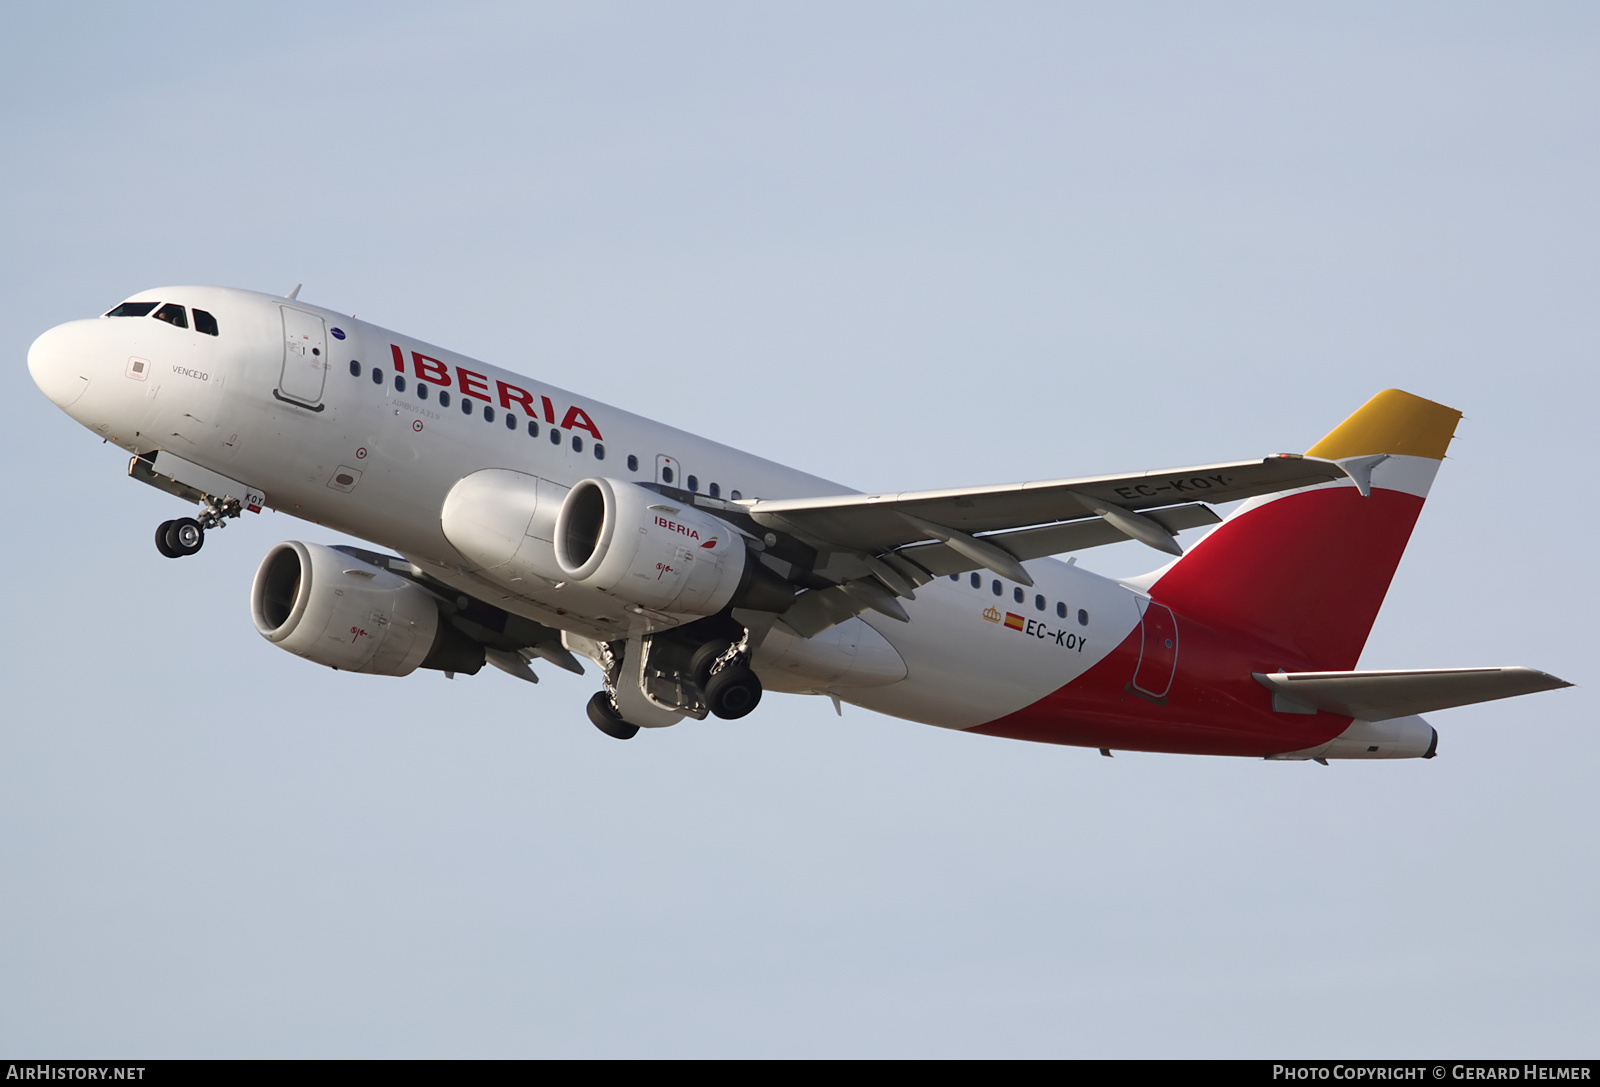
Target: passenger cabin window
(422,390)
(399,383)
(633,463)
(444,398)
(714,491)
(1061,609)
(533,429)
(977,581)
(577,444)
(133,309)
(1017,594)
(735,495)
(204,322)
(172,314)
(355,368)
(599,451)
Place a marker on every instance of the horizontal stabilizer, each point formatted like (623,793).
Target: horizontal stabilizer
(1379,696)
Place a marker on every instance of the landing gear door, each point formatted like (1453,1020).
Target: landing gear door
(305,359)
(1158,651)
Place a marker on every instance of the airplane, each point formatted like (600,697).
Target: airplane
(519,522)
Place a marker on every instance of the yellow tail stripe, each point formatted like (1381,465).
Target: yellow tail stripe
(1392,422)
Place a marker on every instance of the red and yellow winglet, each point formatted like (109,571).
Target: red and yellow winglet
(1395,423)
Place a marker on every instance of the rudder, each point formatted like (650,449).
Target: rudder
(1308,570)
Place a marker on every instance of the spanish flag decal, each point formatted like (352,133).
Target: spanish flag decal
(1014,621)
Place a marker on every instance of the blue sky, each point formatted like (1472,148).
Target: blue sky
(900,246)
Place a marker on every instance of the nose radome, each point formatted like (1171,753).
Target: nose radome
(59,371)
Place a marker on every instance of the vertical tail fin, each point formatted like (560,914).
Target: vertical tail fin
(1308,570)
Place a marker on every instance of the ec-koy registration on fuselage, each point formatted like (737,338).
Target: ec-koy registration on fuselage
(531,524)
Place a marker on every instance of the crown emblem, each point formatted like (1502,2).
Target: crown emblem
(992,614)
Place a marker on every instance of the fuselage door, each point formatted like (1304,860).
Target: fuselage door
(305,359)
(668,471)
(1158,651)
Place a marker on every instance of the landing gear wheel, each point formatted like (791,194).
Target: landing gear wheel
(733,692)
(704,657)
(606,720)
(161,541)
(185,536)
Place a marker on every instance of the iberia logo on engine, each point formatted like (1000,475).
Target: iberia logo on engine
(682,530)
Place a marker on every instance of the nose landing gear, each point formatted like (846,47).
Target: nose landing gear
(186,535)
(175,539)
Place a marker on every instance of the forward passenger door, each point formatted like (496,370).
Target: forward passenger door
(305,359)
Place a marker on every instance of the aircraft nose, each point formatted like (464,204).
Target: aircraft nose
(56,368)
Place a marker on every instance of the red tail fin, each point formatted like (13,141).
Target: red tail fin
(1308,571)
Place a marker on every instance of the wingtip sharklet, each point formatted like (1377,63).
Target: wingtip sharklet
(1393,422)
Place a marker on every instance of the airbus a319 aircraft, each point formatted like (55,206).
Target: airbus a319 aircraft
(528,523)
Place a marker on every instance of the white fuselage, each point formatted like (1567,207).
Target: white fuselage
(303,405)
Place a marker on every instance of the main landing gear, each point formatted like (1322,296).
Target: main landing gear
(607,720)
(732,689)
(670,678)
(187,535)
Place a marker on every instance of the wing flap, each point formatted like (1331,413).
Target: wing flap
(1379,696)
(943,560)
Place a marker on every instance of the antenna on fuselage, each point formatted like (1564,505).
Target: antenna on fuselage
(292,295)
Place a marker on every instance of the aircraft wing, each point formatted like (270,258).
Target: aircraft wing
(877,522)
(880,546)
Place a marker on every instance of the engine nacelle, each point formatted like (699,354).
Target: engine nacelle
(643,548)
(503,522)
(336,610)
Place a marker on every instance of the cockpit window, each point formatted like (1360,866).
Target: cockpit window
(204,322)
(133,309)
(173,314)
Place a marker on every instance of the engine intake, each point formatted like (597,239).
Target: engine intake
(338,611)
(619,538)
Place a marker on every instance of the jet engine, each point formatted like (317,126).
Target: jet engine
(637,545)
(336,610)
